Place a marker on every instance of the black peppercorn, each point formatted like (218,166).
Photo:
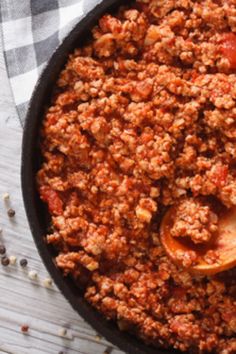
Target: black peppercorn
(23,262)
(5,261)
(11,213)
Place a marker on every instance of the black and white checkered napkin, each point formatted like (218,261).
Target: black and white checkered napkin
(31,30)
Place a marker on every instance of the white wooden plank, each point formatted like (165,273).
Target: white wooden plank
(21,300)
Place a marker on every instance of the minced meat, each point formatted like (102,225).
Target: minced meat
(141,117)
(194,220)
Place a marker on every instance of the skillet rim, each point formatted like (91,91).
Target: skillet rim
(33,205)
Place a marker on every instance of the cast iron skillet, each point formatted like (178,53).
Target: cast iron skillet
(36,212)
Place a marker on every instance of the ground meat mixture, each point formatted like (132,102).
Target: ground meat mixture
(143,116)
(194,220)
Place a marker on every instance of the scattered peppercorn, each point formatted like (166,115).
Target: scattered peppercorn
(98,338)
(47,282)
(24,328)
(12,260)
(0,230)
(33,275)
(23,262)
(2,249)
(11,213)
(5,261)
(62,332)
(61,352)
(6,196)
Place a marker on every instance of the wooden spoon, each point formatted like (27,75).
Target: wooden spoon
(223,243)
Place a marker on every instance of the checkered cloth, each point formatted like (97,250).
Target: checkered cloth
(31,30)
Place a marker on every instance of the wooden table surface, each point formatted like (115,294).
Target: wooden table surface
(23,301)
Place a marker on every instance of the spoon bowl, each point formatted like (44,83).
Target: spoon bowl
(222,245)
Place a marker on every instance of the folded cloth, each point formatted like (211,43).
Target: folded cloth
(31,30)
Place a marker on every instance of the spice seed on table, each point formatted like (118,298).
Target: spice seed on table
(33,275)
(47,282)
(11,213)
(24,328)
(12,260)
(2,249)
(5,261)
(6,197)
(23,262)
(62,332)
